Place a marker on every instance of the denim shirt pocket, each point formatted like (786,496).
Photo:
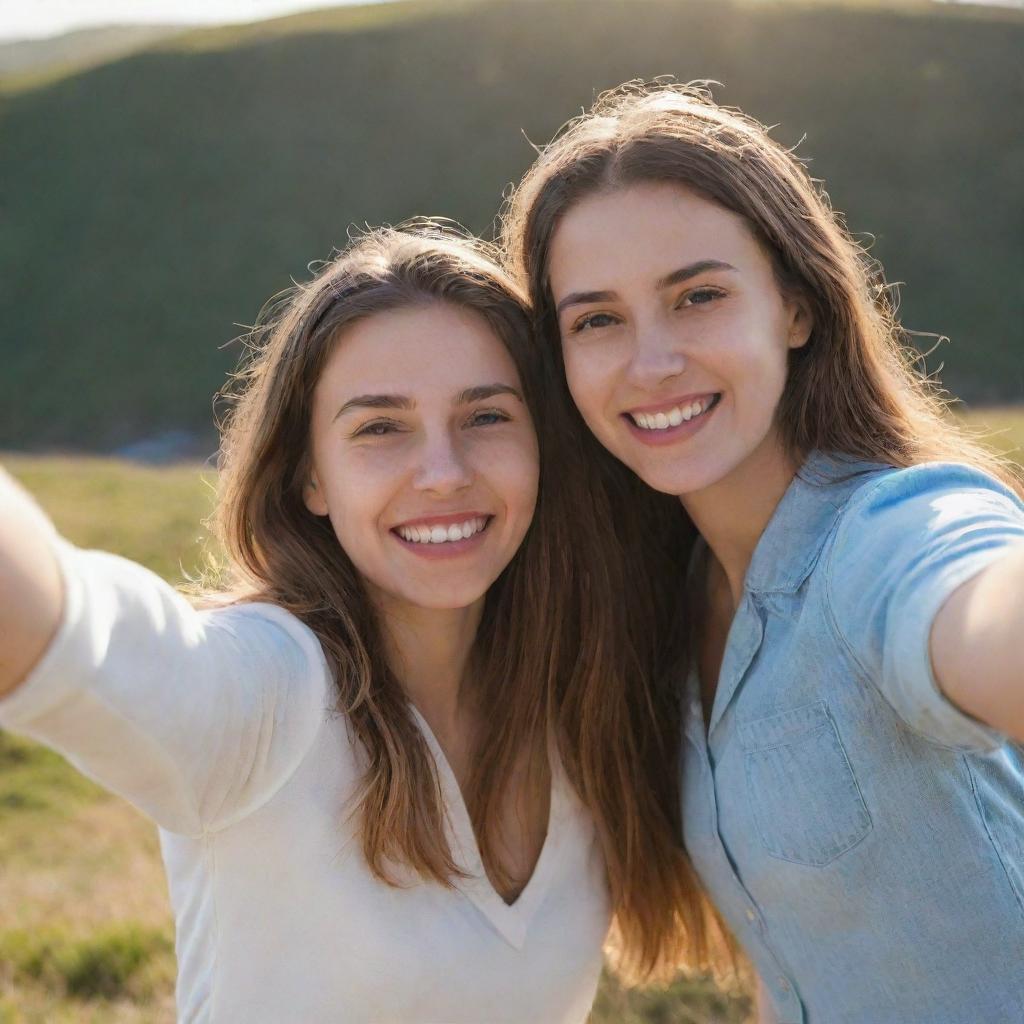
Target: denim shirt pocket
(804,796)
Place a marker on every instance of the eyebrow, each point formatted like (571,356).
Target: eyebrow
(484,391)
(676,277)
(465,397)
(375,402)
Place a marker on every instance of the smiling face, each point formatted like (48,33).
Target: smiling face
(423,454)
(675,334)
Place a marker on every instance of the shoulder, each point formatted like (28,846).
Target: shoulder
(270,633)
(120,595)
(277,624)
(919,502)
(907,537)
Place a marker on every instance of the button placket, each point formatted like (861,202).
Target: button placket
(737,666)
(741,646)
(784,990)
(748,902)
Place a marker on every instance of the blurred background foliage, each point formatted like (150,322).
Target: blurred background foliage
(151,203)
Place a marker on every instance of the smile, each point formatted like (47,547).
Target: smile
(433,532)
(672,422)
(674,415)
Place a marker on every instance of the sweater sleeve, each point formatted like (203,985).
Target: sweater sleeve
(195,717)
(904,544)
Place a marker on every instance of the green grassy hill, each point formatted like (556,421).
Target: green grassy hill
(73,50)
(150,205)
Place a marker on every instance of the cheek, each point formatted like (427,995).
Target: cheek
(352,524)
(511,470)
(357,493)
(762,369)
(522,474)
(587,381)
(745,352)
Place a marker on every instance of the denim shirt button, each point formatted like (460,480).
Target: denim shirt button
(751,916)
(783,983)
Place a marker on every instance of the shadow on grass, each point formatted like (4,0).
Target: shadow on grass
(112,964)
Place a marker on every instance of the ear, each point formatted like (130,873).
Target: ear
(313,495)
(801,322)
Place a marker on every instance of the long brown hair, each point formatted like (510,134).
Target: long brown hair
(553,646)
(281,552)
(855,388)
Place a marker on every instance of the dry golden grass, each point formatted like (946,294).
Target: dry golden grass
(151,515)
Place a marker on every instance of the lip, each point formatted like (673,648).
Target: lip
(450,549)
(670,435)
(671,403)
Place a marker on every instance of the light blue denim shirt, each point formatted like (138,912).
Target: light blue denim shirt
(863,837)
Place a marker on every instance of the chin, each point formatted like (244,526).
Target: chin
(442,599)
(669,477)
(681,476)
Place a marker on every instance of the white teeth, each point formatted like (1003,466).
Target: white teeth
(442,534)
(672,418)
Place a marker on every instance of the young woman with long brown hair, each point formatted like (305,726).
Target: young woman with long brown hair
(369,807)
(852,775)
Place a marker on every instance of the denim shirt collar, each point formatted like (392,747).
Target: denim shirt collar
(795,534)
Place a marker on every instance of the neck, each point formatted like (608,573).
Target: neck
(429,649)
(732,513)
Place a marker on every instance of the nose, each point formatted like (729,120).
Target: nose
(443,467)
(657,356)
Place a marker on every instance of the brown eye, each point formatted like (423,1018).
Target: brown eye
(593,321)
(700,297)
(378,428)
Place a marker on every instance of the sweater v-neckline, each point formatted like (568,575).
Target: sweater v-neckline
(510,920)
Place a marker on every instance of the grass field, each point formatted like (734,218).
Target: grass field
(85,929)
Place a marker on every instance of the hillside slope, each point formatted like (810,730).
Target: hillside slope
(80,47)
(150,205)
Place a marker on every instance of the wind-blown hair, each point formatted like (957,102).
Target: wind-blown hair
(854,388)
(553,643)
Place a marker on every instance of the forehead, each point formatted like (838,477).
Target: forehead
(431,348)
(640,231)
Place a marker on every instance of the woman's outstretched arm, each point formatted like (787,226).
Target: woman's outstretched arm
(30,586)
(196,717)
(977,645)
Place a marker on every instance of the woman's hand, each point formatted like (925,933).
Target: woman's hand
(30,584)
(977,645)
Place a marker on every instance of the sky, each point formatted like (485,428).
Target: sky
(23,19)
(26,19)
